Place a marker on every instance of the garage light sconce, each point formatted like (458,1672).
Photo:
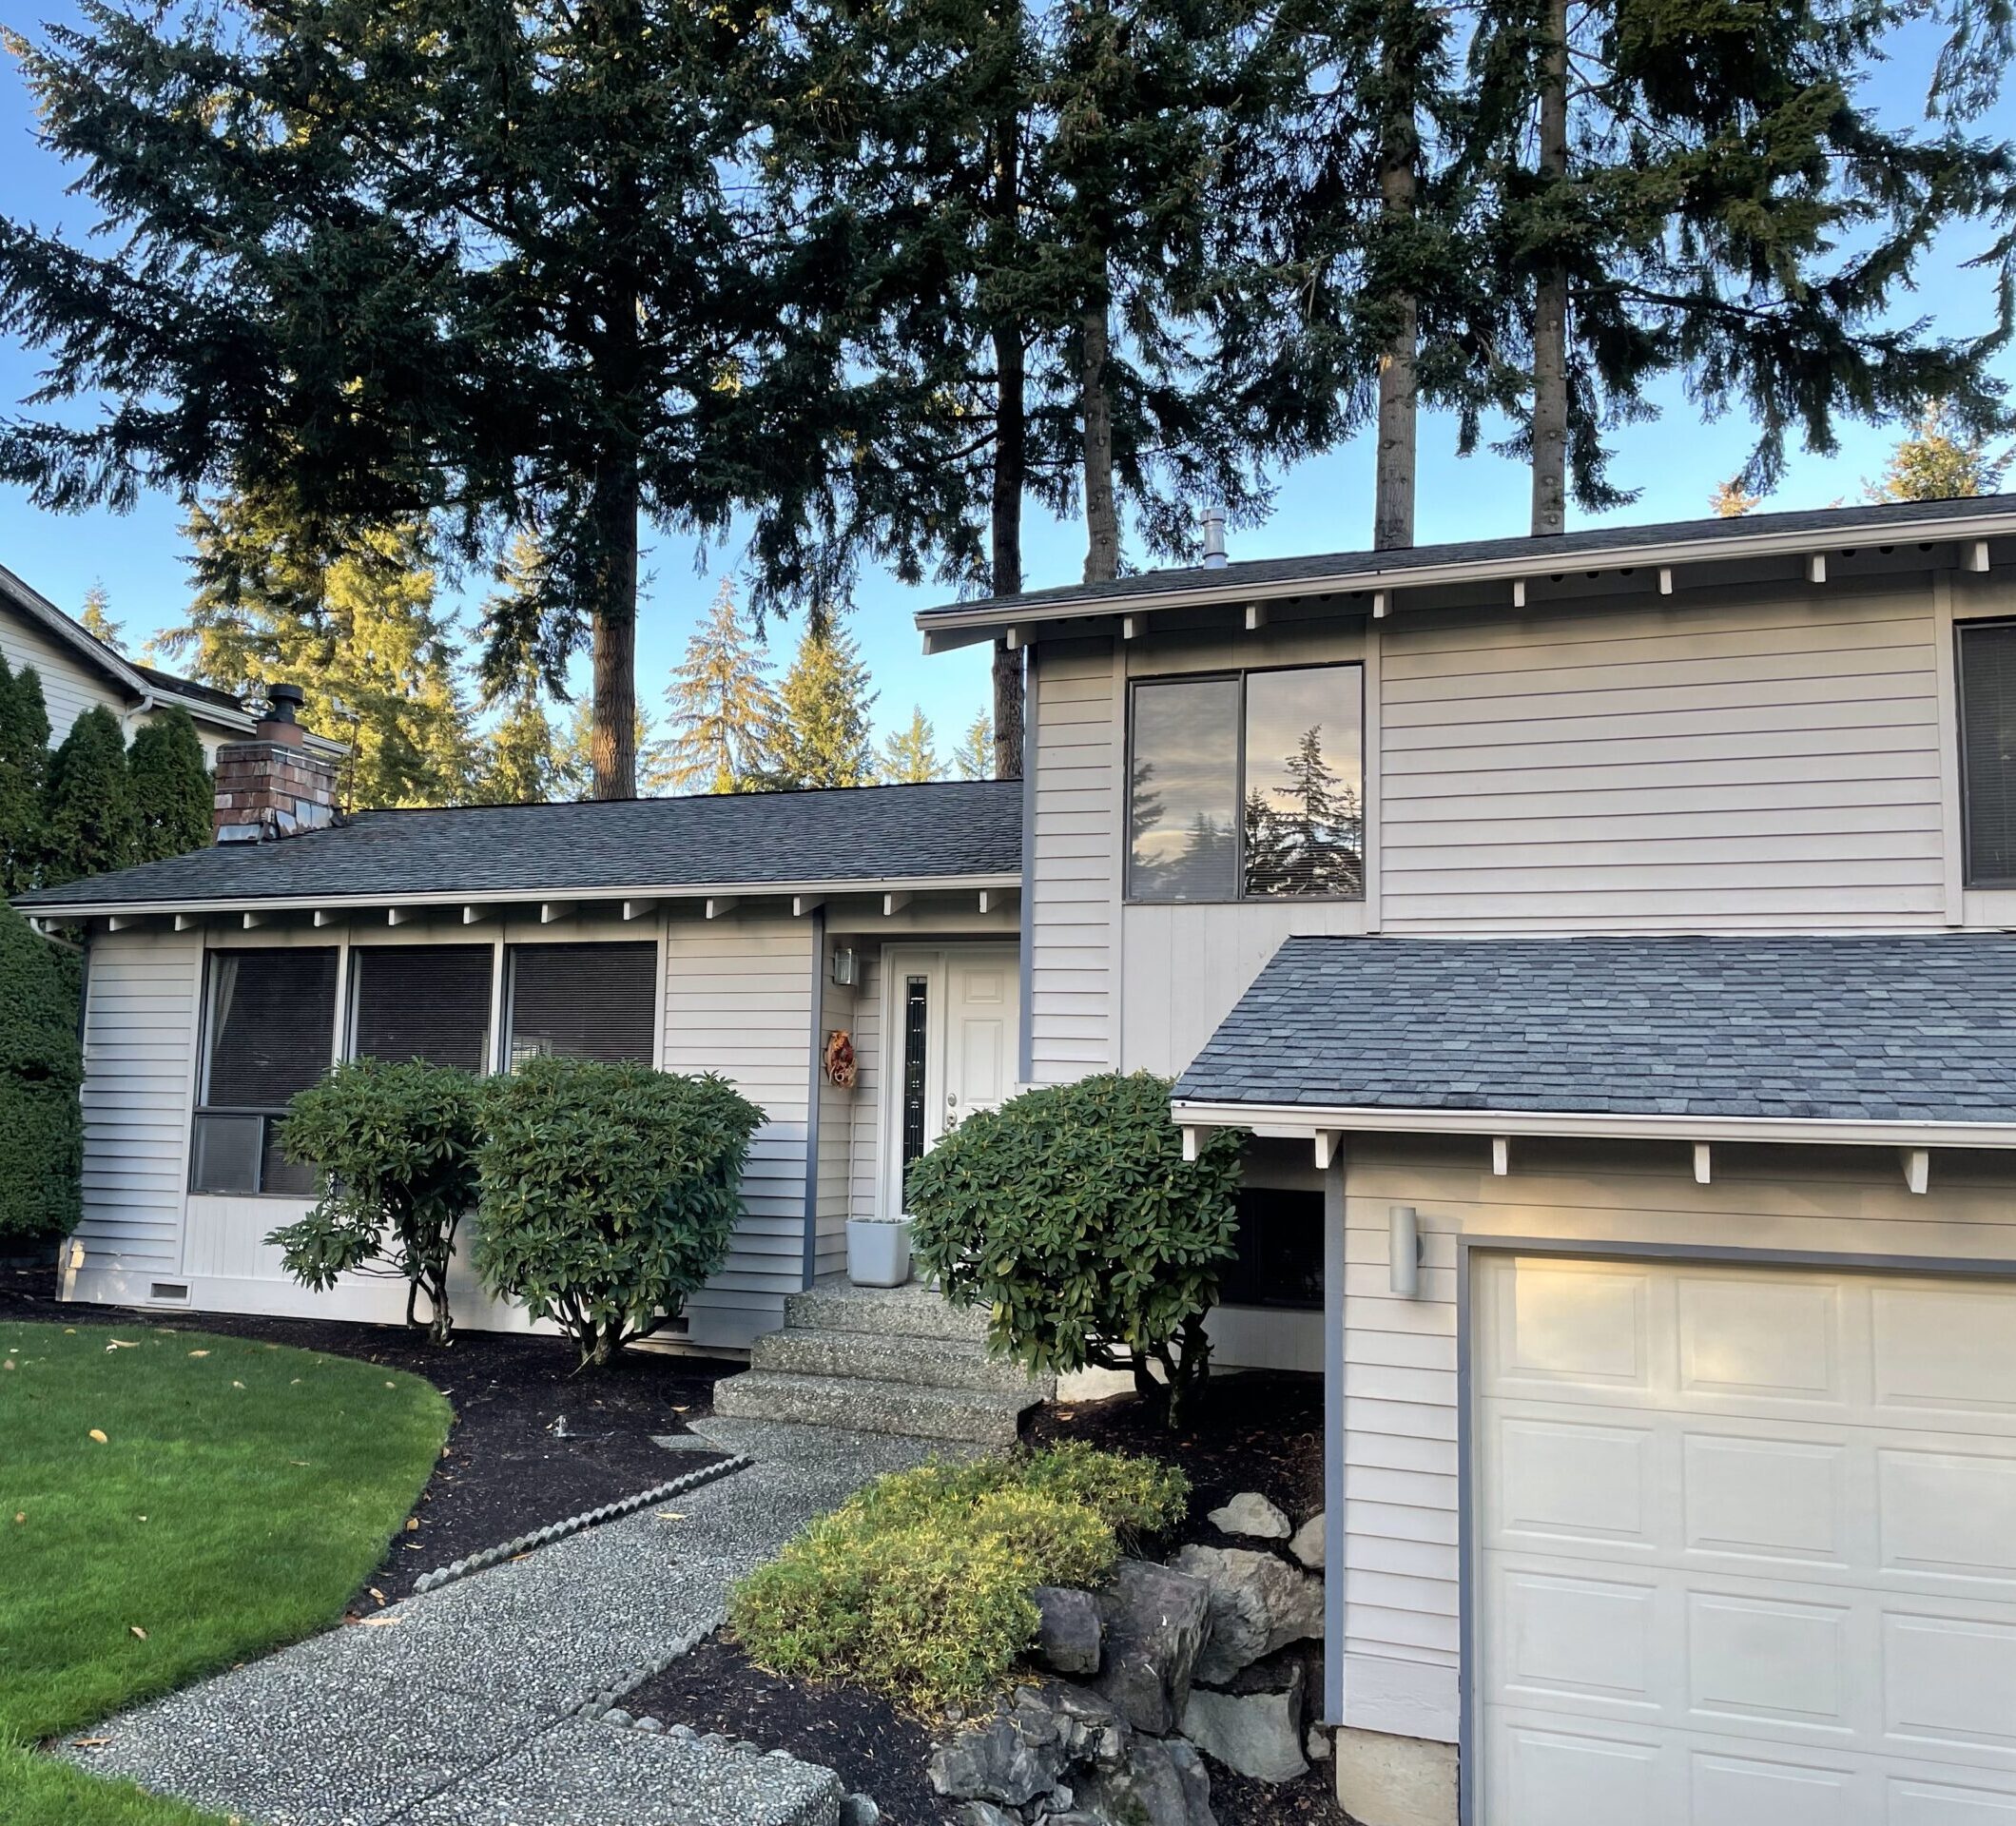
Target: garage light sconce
(1403,1250)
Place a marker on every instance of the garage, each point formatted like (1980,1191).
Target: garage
(1742,1545)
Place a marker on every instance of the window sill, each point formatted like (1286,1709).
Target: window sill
(1279,900)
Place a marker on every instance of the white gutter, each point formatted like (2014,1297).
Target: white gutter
(1298,1121)
(1224,586)
(525,896)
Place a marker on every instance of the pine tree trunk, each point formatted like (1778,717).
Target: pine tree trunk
(613,740)
(1550,298)
(1102,526)
(1394,490)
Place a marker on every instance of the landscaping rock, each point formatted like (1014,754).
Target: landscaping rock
(1251,1733)
(1157,1619)
(1258,1603)
(1252,1515)
(1307,1543)
(1068,1631)
(1157,1784)
(984,1812)
(1317,1747)
(1012,1758)
(861,1810)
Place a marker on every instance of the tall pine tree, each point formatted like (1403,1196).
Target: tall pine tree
(90,823)
(1939,462)
(724,713)
(173,790)
(96,618)
(909,755)
(823,736)
(974,758)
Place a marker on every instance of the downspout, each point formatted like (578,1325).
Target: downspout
(1333,1439)
(814,1098)
(69,1253)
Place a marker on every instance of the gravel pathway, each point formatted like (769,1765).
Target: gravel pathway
(456,1706)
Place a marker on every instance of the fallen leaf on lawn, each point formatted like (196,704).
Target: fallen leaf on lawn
(141,1518)
(683,1410)
(413,1523)
(123,1344)
(392,1384)
(375,1593)
(138,1631)
(69,1331)
(20,1515)
(292,1380)
(7,1365)
(89,1743)
(98,1434)
(237,1385)
(198,1354)
(297,1461)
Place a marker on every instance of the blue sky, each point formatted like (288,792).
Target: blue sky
(1323,504)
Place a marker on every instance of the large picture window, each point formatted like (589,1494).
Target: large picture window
(1248,786)
(1987,742)
(582,1002)
(269,1018)
(428,1002)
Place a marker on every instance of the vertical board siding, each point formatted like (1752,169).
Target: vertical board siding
(1723,765)
(738,1001)
(139,1053)
(1074,864)
(1399,1471)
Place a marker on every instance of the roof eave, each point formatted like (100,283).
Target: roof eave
(946,628)
(1306,1121)
(84,910)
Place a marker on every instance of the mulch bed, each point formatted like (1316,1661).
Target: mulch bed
(873,1747)
(503,1472)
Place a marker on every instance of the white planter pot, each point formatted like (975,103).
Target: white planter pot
(878,1252)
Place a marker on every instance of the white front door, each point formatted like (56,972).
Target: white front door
(1745,1547)
(952,1015)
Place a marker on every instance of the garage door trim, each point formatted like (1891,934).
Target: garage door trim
(1578,1249)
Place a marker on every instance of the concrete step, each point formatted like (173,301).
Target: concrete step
(982,1416)
(912,1312)
(930,1363)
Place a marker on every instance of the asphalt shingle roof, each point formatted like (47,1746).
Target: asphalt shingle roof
(1919,1028)
(859,834)
(1539,554)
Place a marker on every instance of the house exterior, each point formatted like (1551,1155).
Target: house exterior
(1600,938)
(79,672)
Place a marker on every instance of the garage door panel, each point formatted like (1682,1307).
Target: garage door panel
(1747,1553)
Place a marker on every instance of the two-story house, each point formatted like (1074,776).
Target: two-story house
(1600,938)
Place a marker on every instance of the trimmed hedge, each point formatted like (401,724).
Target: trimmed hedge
(918,1585)
(608,1194)
(1070,1213)
(41,1068)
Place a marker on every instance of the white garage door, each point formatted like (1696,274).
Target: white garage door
(1746,1547)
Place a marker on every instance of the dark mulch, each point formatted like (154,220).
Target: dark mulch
(873,1747)
(503,1472)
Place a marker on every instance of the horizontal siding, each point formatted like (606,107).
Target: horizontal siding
(1400,1470)
(1074,862)
(1720,764)
(67,688)
(738,1001)
(139,1050)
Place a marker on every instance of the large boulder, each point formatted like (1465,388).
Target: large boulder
(1252,1515)
(1012,1758)
(1161,1784)
(1258,1603)
(1068,1630)
(1156,1622)
(1251,1733)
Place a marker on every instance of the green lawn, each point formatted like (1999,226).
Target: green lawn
(239,1494)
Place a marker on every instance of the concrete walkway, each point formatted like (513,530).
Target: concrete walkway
(456,1707)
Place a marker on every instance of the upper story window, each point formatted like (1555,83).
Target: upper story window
(1248,786)
(1987,750)
(269,1017)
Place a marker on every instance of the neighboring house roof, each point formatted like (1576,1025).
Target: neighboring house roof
(1477,560)
(1831,1029)
(951,831)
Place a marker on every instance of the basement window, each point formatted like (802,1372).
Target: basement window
(269,1021)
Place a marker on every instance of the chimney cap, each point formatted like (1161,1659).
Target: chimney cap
(283,701)
(1214,538)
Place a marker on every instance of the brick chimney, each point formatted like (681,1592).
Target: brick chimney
(273,786)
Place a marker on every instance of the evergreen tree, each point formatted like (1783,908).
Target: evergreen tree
(523,223)
(1938,462)
(521,762)
(974,758)
(823,738)
(909,756)
(347,613)
(724,713)
(23,771)
(41,1070)
(1732,501)
(96,618)
(90,824)
(173,794)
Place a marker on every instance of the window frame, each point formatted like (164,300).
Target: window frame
(353,991)
(503,1063)
(200,1105)
(1238,897)
(1970,878)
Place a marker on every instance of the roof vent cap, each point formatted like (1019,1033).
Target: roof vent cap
(1214,538)
(283,701)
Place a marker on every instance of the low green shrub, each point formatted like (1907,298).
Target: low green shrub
(394,1146)
(917,1587)
(1070,1213)
(608,1194)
